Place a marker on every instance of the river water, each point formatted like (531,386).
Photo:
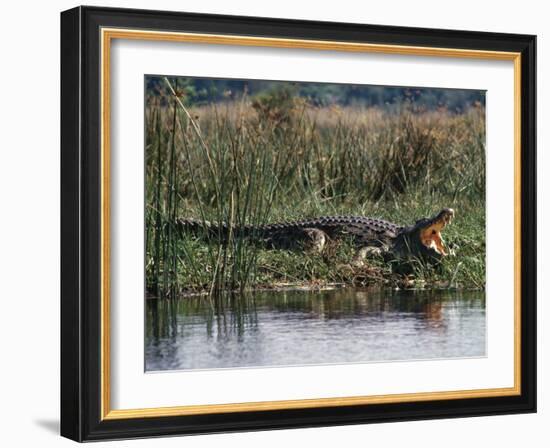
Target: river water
(302,327)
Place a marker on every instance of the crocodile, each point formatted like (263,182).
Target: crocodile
(421,240)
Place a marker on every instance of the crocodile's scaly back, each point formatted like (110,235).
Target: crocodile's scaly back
(363,230)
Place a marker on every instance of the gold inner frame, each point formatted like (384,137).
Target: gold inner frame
(107,35)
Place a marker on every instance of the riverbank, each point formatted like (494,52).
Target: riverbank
(336,266)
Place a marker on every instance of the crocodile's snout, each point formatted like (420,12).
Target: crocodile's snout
(430,230)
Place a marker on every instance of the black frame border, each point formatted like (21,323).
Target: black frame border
(81,223)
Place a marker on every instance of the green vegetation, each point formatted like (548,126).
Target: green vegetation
(277,156)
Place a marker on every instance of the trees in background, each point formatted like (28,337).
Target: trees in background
(199,91)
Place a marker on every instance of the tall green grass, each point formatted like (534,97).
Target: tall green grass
(275,158)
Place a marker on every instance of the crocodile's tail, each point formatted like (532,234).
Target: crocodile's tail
(276,234)
(285,235)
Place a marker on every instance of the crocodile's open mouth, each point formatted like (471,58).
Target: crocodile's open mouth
(430,235)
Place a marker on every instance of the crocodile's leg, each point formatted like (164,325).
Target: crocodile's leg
(315,240)
(309,239)
(364,252)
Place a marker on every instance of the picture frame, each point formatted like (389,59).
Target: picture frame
(87,34)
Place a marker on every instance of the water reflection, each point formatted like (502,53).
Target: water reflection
(303,327)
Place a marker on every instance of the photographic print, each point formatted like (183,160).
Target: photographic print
(296,223)
(273,204)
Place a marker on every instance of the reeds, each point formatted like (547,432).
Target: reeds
(251,161)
